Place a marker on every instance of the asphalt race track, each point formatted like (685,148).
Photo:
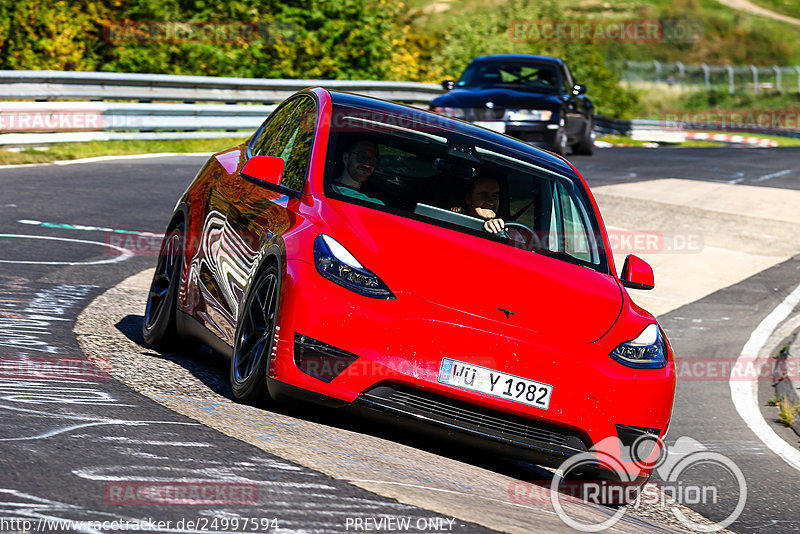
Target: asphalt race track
(80,449)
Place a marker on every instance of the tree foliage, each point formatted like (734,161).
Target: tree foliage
(55,35)
(318,39)
(343,39)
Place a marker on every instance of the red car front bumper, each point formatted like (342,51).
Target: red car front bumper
(400,344)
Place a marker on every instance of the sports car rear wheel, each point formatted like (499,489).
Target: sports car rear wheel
(560,139)
(158,326)
(585,146)
(255,337)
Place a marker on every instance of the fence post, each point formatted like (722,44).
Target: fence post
(658,71)
(797,70)
(706,75)
(730,79)
(681,72)
(754,70)
(777,70)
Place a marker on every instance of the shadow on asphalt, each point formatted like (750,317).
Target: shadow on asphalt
(212,370)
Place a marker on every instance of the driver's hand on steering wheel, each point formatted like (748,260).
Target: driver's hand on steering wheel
(494,226)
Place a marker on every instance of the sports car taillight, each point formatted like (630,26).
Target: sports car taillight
(647,351)
(335,263)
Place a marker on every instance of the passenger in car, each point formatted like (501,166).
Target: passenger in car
(482,201)
(360,156)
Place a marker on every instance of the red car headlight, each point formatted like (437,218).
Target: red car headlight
(335,263)
(647,351)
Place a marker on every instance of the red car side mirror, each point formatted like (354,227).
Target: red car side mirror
(264,169)
(637,273)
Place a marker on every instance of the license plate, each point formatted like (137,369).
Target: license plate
(495,383)
(495,126)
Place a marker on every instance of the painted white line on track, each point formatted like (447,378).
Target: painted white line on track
(772,175)
(738,178)
(744,393)
(124,253)
(97,159)
(68,226)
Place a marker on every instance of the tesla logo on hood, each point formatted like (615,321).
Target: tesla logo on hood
(490,105)
(508,313)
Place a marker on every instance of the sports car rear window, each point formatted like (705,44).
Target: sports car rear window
(431,173)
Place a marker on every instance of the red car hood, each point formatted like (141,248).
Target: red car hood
(483,278)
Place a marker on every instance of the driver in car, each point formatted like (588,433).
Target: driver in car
(483,201)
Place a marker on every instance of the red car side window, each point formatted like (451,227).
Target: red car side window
(289,134)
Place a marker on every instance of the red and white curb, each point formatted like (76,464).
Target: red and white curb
(728,138)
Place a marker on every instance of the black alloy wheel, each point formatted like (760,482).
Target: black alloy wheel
(255,338)
(158,326)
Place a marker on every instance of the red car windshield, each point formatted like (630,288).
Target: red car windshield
(430,172)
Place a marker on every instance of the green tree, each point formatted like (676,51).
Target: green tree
(49,34)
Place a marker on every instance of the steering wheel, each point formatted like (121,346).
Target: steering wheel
(528,235)
(519,226)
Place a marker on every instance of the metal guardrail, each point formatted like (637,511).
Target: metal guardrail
(165,106)
(608,125)
(176,113)
(61,85)
(116,116)
(50,122)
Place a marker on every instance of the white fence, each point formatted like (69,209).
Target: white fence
(728,78)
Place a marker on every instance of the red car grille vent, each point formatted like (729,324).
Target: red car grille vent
(473,419)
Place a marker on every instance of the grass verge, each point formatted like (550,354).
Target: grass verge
(624,140)
(787,412)
(621,140)
(68,151)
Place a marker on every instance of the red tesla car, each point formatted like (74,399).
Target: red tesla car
(364,254)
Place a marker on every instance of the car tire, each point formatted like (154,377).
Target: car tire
(585,147)
(560,139)
(255,338)
(158,325)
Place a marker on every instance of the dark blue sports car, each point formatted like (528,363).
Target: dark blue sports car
(532,98)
